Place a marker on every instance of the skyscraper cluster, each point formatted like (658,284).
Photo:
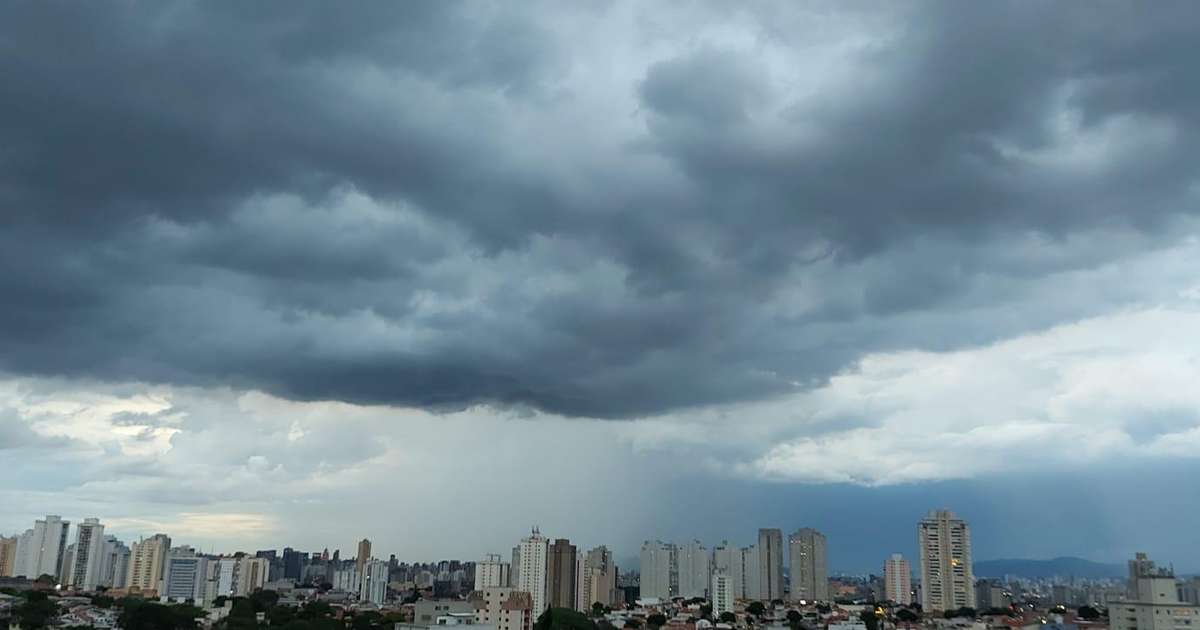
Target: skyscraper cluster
(554,574)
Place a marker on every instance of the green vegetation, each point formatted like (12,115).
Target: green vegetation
(37,611)
(139,614)
(756,608)
(656,620)
(907,615)
(1088,613)
(563,619)
(727,617)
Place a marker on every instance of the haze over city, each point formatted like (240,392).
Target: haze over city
(433,273)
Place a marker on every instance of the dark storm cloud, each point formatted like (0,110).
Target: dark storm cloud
(353,203)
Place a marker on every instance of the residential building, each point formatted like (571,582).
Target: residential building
(364,554)
(293,563)
(147,558)
(88,564)
(722,593)
(947,580)
(808,565)
(598,583)
(347,578)
(728,560)
(8,556)
(695,570)
(491,572)
(184,576)
(42,550)
(561,574)
(116,568)
(374,581)
(442,612)
(749,562)
(770,564)
(990,594)
(1153,602)
(659,570)
(897,580)
(503,608)
(532,575)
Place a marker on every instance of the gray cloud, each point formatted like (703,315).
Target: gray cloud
(450,204)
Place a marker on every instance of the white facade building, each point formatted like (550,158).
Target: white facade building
(722,593)
(695,570)
(184,576)
(374,582)
(1153,602)
(87,570)
(42,550)
(659,570)
(531,578)
(491,572)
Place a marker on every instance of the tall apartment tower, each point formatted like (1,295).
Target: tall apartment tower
(947,580)
(147,560)
(897,580)
(809,568)
(561,574)
(491,572)
(770,565)
(42,550)
(695,570)
(8,556)
(364,554)
(660,570)
(87,571)
(722,593)
(531,577)
(598,581)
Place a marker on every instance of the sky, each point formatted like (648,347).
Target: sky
(436,272)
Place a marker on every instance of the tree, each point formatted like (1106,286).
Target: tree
(102,601)
(965,611)
(138,614)
(907,615)
(1088,613)
(870,617)
(756,608)
(597,609)
(706,611)
(37,611)
(656,620)
(264,599)
(563,619)
(727,617)
(794,618)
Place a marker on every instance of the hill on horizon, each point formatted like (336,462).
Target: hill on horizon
(1061,566)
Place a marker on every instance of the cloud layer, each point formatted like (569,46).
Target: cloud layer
(592,211)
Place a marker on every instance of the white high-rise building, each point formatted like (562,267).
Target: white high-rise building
(531,578)
(749,562)
(491,572)
(722,593)
(116,563)
(728,559)
(1153,601)
(695,570)
(373,583)
(897,580)
(659,569)
(42,550)
(770,567)
(240,575)
(87,571)
(184,576)
(809,568)
(947,579)
(147,559)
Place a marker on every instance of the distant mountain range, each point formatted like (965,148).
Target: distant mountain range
(1065,566)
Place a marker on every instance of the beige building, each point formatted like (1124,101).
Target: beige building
(947,579)
(597,579)
(364,554)
(1153,601)
(147,559)
(8,556)
(897,580)
(809,567)
(503,608)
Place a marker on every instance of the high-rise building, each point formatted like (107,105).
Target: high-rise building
(8,556)
(561,573)
(42,550)
(809,569)
(184,575)
(531,577)
(374,581)
(659,570)
(364,554)
(88,564)
(749,561)
(722,593)
(147,559)
(897,580)
(293,563)
(491,572)
(1153,601)
(695,570)
(116,564)
(598,582)
(770,567)
(947,579)
(728,559)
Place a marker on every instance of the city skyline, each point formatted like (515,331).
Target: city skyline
(300,274)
